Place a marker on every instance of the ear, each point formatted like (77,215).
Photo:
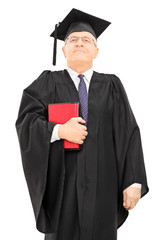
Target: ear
(63,50)
(96,52)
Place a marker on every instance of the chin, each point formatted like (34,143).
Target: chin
(80,58)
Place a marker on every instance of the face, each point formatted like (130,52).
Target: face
(80,48)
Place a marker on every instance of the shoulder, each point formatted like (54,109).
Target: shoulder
(100,75)
(117,87)
(115,82)
(43,84)
(48,76)
(108,77)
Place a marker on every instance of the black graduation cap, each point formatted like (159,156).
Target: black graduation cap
(77,21)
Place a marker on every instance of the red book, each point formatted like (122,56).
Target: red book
(60,113)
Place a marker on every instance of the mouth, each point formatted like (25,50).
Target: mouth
(79,51)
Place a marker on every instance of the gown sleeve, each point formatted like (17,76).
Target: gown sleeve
(34,133)
(127,141)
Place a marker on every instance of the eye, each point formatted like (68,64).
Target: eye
(86,40)
(73,40)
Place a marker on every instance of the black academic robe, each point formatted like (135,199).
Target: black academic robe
(78,195)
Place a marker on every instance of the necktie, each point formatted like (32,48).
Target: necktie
(82,90)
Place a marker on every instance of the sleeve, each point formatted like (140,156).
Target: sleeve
(55,135)
(137,185)
(127,141)
(34,133)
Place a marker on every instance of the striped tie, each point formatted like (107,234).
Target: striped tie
(82,90)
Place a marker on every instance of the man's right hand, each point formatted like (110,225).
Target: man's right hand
(73,131)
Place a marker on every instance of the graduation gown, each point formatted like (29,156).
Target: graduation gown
(78,195)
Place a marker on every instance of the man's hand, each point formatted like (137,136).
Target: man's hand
(131,196)
(73,131)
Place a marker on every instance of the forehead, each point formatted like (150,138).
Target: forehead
(80,34)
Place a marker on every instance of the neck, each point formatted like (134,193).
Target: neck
(80,68)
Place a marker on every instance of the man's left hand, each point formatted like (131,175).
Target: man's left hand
(131,196)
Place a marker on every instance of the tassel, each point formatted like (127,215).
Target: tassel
(55,44)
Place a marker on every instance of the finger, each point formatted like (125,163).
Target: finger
(79,119)
(85,133)
(124,199)
(127,202)
(131,207)
(84,130)
(128,206)
(133,204)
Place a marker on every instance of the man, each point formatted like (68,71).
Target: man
(83,194)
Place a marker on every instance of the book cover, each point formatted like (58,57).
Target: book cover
(60,113)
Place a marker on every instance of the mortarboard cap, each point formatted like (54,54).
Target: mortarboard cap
(77,21)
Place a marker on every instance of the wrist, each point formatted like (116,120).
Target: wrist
(60,131)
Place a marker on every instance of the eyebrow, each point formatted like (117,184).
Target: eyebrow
(94,39)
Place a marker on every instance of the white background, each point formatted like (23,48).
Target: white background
(129,48)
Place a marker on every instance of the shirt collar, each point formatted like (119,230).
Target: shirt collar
(74,74)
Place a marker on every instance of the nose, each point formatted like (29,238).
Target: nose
(79,41)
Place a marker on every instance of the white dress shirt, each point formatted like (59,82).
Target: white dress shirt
(76,80)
